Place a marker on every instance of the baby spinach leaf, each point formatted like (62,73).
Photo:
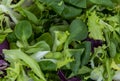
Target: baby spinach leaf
(23,30)
(78,30)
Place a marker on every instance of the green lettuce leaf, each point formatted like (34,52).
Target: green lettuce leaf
(94,27)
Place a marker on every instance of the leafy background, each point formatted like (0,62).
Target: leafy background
(67,40)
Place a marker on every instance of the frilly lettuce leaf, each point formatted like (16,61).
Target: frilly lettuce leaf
(94,27)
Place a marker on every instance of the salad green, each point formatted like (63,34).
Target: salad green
(67,40)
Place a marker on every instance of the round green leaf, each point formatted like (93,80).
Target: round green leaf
(23,30)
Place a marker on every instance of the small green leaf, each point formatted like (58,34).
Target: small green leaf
(59,40)
(86,56)
(40,46)
(112,49)
(103,2)
(77,3)
(64,62)
(47,65)
(23,30)
(70,12)
(84,70)
(47,38)
(78,30)
(2,37)
(30,16)
(57,5)
(75,65)
(117,58)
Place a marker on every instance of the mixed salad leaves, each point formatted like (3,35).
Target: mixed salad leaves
(53,40)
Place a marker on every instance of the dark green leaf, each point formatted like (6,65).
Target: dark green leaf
(75,65)
(103,2)
(71,12)
(86,55)
(47,65)
(57,5)
(31,16)
(47,38)
(78,30)
(77,3)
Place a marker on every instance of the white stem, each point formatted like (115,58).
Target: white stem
(9,11)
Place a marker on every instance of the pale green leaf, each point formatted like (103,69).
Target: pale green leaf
(94,27)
